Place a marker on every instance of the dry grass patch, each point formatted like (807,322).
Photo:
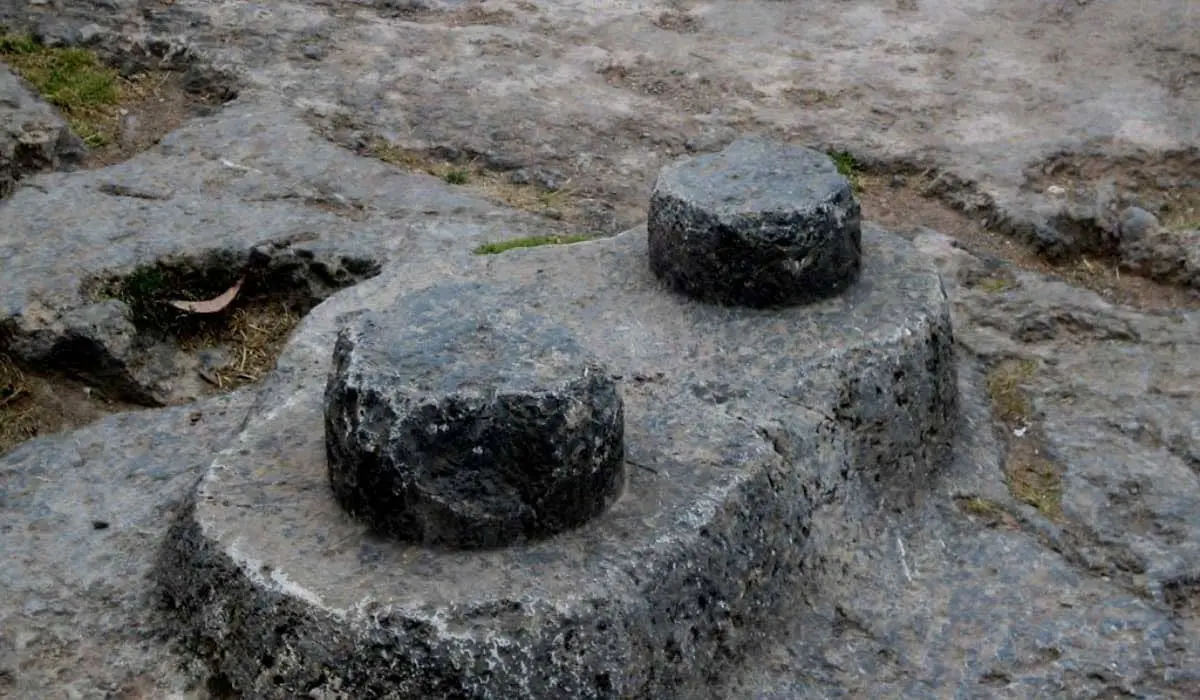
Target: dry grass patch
(1004,381)
(558,204)
(252,336)
(995,285)
(1032,477)
(18,419)
(992,514)
(250,331)
(34,405)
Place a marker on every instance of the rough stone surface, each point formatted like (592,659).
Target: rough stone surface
(82,516)
(33,136)
(1165,255)
(759,224)
(929,601)
(247,187)
(451,423)
(737,430)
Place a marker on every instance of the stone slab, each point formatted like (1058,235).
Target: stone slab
(739,425)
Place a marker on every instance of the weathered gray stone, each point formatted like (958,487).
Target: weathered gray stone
(943,602)
(82,516)
(450,423)
(33,135)
(280,202)
(741,425)
(1170,256)
(758,224)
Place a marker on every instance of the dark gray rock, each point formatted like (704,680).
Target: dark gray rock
(1170,256)
(758,224)
(33,135)
(450,423)
(1137,223)
(741,427)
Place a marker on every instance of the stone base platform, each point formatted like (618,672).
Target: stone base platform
(739,425)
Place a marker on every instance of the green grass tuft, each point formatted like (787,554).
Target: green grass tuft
(849,167)
(528,242)
(72,79)
(457,176)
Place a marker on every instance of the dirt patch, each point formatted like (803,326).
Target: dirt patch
(116,113)
(223,316)
(677,20)
(36,404)
(152,106)
(1165,184)
(535,190)
(232,349)
(902,202)
(476,13)
(682,86)
(1184,596)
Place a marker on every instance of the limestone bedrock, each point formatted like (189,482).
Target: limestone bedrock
(760,223)
(460,425)
(740,425)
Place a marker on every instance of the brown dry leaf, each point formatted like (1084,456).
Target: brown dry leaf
(211,306)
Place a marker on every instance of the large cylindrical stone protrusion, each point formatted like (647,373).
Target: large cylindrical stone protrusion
(469,430)
(758,224)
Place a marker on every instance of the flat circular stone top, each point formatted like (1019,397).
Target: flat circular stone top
(753,177)
(758,224)
(450,423)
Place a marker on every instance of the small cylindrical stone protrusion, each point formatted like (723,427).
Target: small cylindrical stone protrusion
(465,429)
(758,224)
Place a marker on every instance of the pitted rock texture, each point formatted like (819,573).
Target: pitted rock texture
(740,426)
(452,423)
(906,602)
(758,224)
(33,135)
